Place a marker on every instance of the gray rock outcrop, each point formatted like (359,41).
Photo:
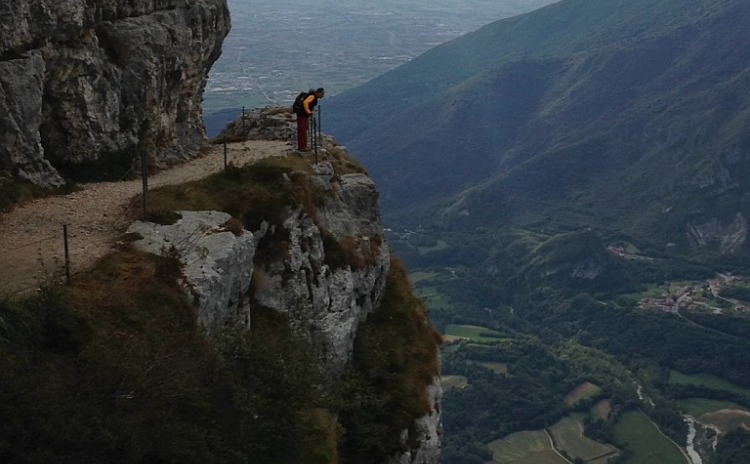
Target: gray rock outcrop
(333,299)
(428,433)
(726,237)
(89,83)
(269,123)
(217,264)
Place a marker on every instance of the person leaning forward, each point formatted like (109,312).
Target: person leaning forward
(303,116)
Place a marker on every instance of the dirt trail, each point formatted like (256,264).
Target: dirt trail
(31,236)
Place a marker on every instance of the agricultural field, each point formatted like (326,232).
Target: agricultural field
(427,285)
(496,367)
(535,446)
(709,381)
(646,444)
(448,347)
(568,437)
(450,382)
(530,447)
(602,409)
(437,246)
(433,298)
(727,419)
(474,333)
(719,415)
(696,407)
(421,276)
(584,391)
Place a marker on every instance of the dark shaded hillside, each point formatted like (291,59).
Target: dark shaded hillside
(654,132)
(624,115)
(448,144)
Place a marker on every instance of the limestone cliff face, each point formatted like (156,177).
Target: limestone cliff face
(327,270)
(428,432)
(327,300)
(332,299)
(84,82)
(726,237)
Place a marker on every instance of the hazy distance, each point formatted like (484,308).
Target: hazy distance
(276,49)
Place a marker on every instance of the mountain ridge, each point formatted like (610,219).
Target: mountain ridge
(577,129)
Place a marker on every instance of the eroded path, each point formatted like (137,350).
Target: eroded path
(31,236)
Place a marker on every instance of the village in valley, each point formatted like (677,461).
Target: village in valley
(700,296)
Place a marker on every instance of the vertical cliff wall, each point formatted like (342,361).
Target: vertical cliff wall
(88,83)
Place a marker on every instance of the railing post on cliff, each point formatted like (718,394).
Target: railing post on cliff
(144,176)
(67,254)
(225,155)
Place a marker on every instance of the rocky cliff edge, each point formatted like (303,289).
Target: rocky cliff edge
(321,259)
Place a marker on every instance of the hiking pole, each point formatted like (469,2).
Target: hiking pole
(315,138)
(310,125)
(319,124)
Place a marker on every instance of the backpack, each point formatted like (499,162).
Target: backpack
(298,105)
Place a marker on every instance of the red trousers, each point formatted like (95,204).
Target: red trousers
(303,123)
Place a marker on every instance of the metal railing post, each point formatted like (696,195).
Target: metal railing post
(67,254)
(144,176)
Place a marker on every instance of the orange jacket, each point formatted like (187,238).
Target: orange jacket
(309,103)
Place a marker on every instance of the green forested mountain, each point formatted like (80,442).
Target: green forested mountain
(570,189)
(626,115)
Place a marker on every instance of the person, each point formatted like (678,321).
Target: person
(304,111)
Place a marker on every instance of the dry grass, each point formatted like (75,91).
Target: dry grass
(353,252)
(234,226)
(395,359)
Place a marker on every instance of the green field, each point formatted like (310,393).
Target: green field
(632,249)
(652,291)
(706,380)
(496,367)
(449,382)
(699,406)
(658,291)
(419,276)
(433,298)
(640,436)
(474,333)
(582,392)
(449,347)
(524,448)
(440,245)
(568,436)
